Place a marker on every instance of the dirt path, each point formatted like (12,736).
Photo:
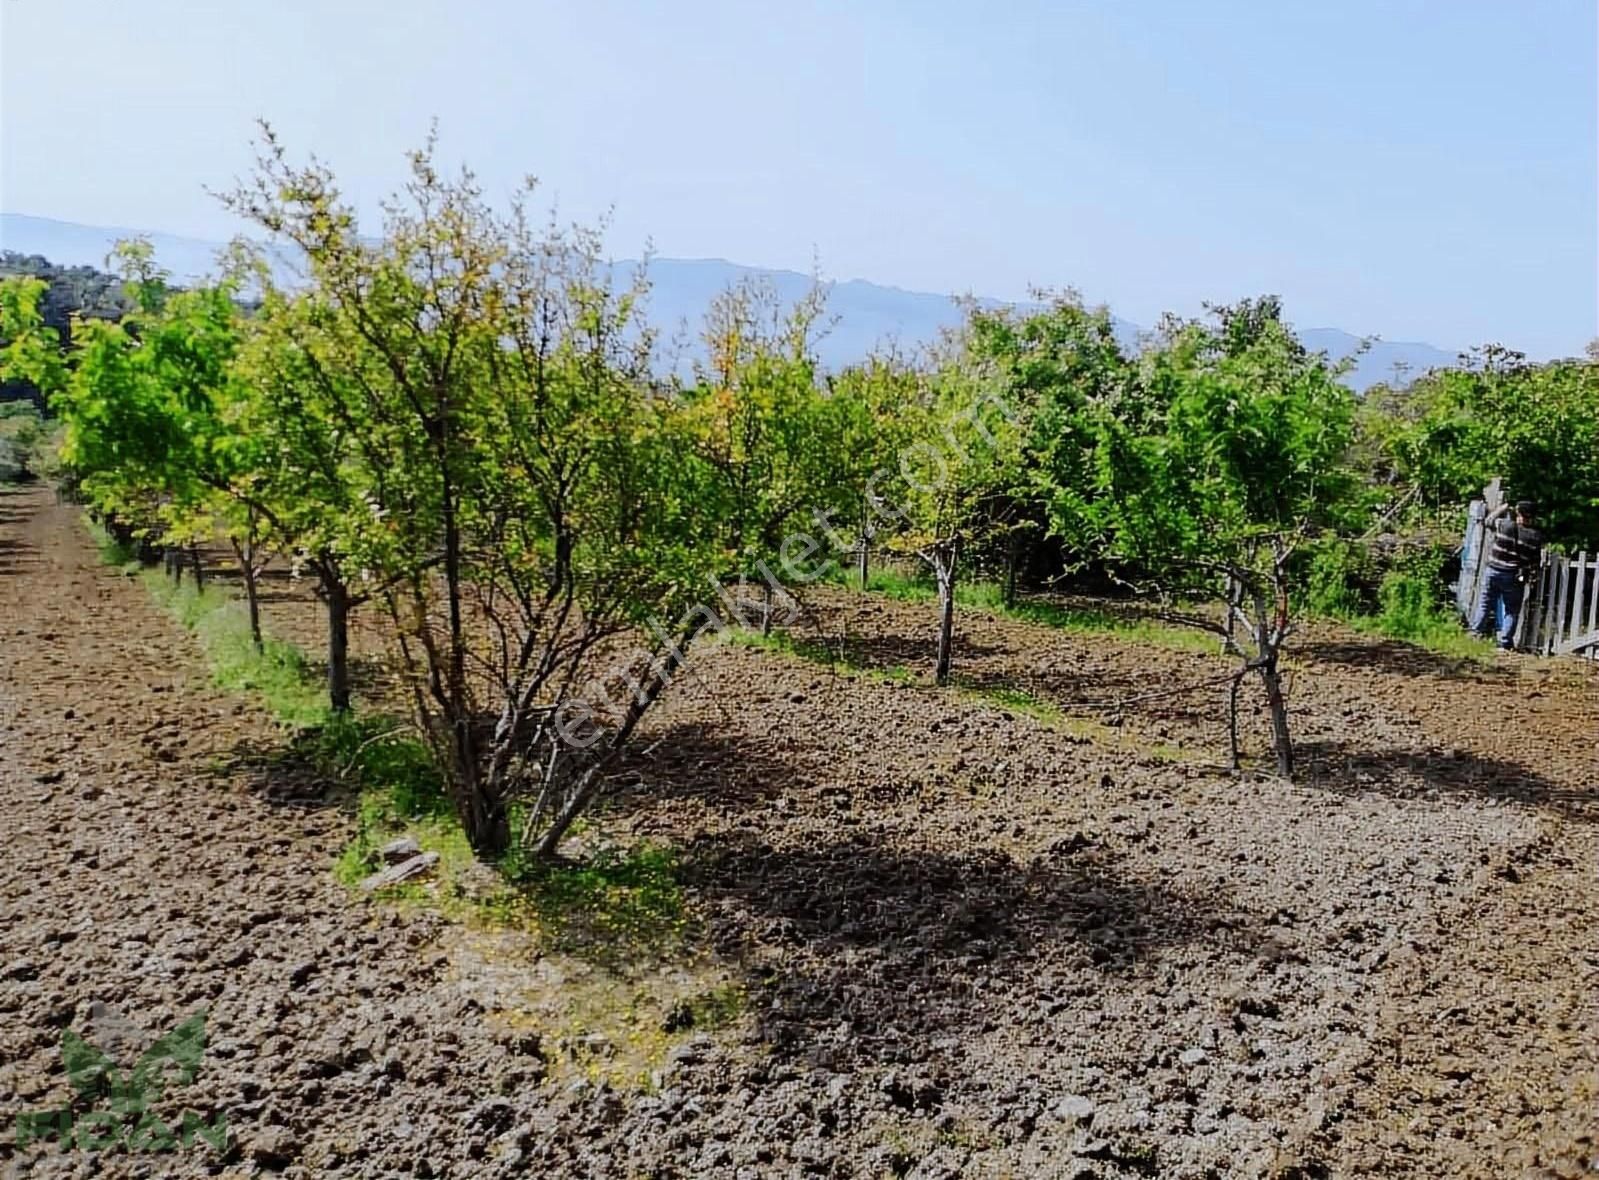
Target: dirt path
(143,880)
(973,944)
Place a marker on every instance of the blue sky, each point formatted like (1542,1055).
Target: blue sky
(1423,169)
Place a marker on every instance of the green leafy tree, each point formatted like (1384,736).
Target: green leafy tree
(32,351)
(966,455)
(535,519)
(867,423)
(314,458)
(764,430)
(155,421)
(1055,364)
(1227,453)
(1534,426)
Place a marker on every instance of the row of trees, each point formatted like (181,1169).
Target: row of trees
(457,423)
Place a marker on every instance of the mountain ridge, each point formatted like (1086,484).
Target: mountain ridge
(864,314)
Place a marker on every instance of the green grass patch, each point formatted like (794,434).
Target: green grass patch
(1407,604)
(276,671)
(990,598)
(1440,635)
(1411,612)
(1016,700)
(112,551)
(623,904)
(1046,713)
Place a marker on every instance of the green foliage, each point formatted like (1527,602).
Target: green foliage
(989,597)
(380,753)
(771,446)
(31,351)
(1409,605)
(111,550)
(615,897)
(483,421)
(1413,612)
(26,443)
(1535,426)
(1055,366)
(1340,579)
(1220,450)
(456,419)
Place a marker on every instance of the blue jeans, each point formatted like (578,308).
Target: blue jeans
(1499,605)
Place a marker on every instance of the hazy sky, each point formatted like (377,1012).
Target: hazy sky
(1424,169)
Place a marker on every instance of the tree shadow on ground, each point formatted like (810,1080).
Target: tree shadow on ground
(1411,774)
(856,949)
(880,651)
(371,680)
(296,769)
(882,949)
(1401,659)
(691,761)
(16,555)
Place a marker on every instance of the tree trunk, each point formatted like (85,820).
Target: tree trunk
(199,568)
(865,568)
(1232,591)
(487,822)
(588,788)
(944,570)
(252,597)
(1013,558)
(766,609)
(338,602)
(1232,721)
(488,827)
(1281,741)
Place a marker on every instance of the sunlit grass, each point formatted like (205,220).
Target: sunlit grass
(112,551)
(1015,700)
(1051,716)
(989,597)
(1442,636)
(276,671)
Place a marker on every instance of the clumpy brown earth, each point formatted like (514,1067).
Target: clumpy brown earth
(971,940)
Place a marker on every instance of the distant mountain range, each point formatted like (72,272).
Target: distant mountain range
(865,315)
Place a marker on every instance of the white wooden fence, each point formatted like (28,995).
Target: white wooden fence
(1560,613)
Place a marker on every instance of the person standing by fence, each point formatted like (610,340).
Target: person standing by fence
(1514,554)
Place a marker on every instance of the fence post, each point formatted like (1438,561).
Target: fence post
(1547,593)
(1548,602)
(1593,600)
(1562,578)
(1577,598)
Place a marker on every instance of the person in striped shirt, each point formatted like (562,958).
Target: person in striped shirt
(1514,554)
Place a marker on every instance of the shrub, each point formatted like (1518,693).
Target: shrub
(1341,580)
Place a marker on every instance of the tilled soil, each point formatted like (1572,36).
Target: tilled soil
(973,941)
